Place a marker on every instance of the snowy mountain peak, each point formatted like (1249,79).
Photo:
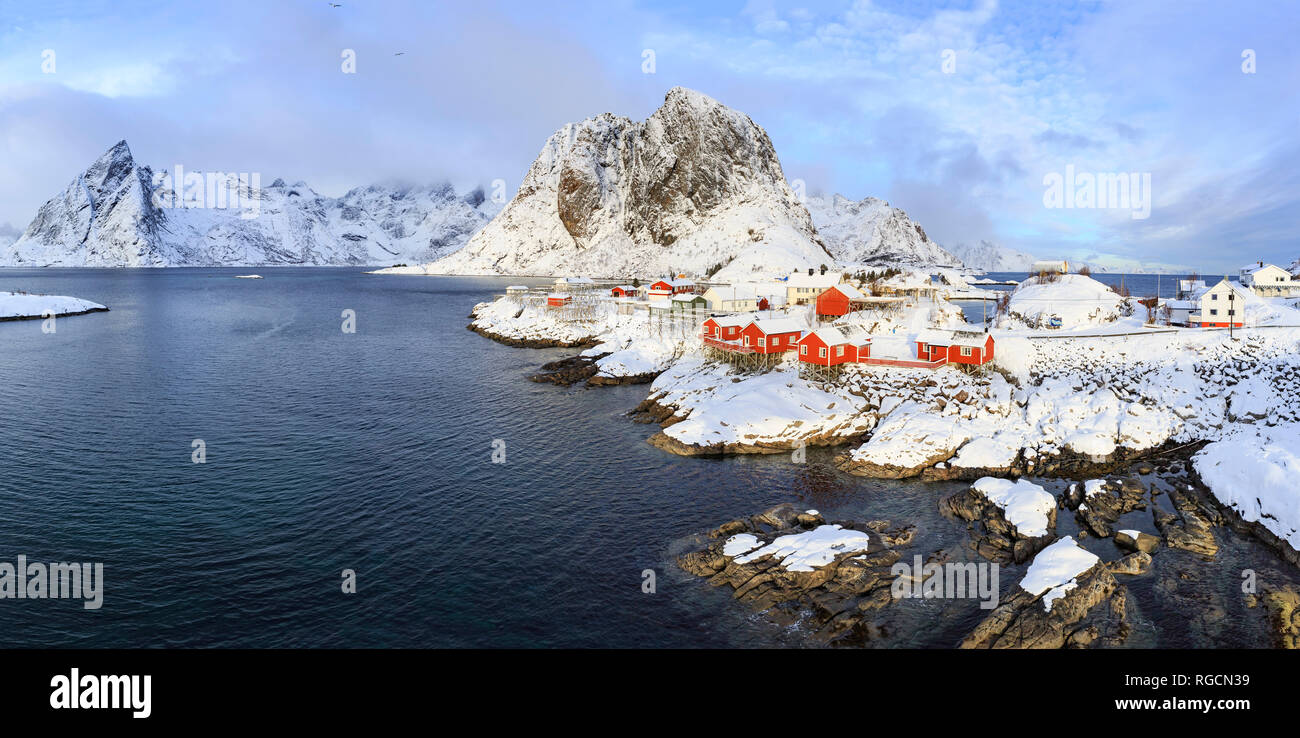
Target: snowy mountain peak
(697,186)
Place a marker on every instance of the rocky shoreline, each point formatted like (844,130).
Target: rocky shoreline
(537,343)
(56,315)
(849,598)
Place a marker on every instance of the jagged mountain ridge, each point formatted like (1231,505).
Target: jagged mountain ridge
(991,257)
(114,215)
(869,232)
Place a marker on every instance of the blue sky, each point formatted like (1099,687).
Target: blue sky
(855,95)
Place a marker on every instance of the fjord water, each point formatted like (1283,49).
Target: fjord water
(328,451)
(372,451)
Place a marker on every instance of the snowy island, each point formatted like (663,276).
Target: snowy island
(25,306)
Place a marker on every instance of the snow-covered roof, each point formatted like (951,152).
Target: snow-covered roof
(778,325)
(740,319)
(934,337)
(682,282)
(801,279)
(517,287)
(735,291)
(687,298)
(828,336)
(561,295)
(849,291)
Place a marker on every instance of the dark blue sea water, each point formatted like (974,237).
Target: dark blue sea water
(373,452)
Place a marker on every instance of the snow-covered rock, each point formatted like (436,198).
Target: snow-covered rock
(695,186)
(871,233)
(1055,570)
(1078,300)
(117,214)
(1253,470)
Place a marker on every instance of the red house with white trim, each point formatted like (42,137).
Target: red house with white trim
(624,290)
(839,300)
(830,347)
(558,299)
(957,347)
(725,328)
(660,290)
(771,335)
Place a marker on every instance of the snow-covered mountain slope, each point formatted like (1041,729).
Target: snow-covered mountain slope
(114,214)
(870,232)
(8,234)
(991,257)
(694,186)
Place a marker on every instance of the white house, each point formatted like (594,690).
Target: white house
(567,284)
(1268,280)
(1212,307)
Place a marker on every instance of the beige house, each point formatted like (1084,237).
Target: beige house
(1269,280)
(734,298)
(802,288)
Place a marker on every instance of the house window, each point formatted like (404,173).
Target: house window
(965,350)
(1214,296)
(746,340)
(822,352)
(803,350)
(1214,312)
(762,341)
(839,350)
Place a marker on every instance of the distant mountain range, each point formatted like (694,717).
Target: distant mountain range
(695,187)
(118,214)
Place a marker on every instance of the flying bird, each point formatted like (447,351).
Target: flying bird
(399,53)
(336,5)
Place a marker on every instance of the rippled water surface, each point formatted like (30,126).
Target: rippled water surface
(369,451)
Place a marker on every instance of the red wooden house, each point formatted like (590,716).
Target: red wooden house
(771,335)
(839,300)
(958,347)
(660,289)
(558,299)
(624,290)
(726,328)
(682,286)
(831,347)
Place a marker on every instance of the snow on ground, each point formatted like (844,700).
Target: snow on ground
(1087,395)
(1055,569)
(765,408)
(1079,301)
(1253,470)
(811,549)
(1024,504)
(23,305)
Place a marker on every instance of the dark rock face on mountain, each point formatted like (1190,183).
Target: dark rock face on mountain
(696,185)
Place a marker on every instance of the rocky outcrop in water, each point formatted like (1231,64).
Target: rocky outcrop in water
(1091,614)
(836,599)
